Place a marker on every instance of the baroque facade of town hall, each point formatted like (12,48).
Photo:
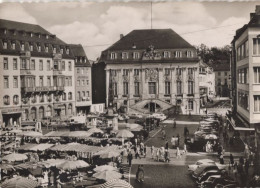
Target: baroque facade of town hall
(150,71)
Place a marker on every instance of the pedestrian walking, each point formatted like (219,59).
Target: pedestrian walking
(231,159)
(221,159)
(178,140)
(184,148)
(122,156)
(173,141)
(241,160)
(166,155)
(163,134)
(235,170)
(145,151)
(157,154)
(135,142)
(152,151)
(137,153)
(178,153)
(166,144)
(129,158)
(174,123)
(186,131)
(246,166)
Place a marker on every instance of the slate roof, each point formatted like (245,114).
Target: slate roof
(78,51)
(20,33)
(159,38)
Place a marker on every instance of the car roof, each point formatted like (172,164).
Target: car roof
(205,160)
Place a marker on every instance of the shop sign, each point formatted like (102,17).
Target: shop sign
(12,110)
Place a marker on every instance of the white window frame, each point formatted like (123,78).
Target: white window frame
(136,55)
(166,54)
(178,54)
(113,55)
(5,44)
(257,102)
(124,55)
(189,53)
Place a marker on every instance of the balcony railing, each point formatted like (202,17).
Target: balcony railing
(42,89)
(25,72)
(57,72)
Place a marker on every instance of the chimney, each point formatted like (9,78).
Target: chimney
(257,10)
(121,36)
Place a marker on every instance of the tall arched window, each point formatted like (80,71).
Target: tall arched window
(16,99)
(70,95)
(26,114)
(64,97)
(33,113)
(41,97)
(41,112)
(49,98)
(49,111)
(69,109)
(6,100)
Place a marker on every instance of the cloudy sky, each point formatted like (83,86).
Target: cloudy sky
(98,25)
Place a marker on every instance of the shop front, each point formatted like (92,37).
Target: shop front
(59,110)
(11,117)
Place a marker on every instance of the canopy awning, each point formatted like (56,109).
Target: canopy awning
(77,148)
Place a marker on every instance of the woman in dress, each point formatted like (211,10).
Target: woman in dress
(140,174)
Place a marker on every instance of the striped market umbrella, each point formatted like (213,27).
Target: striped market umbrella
(116,183)
(15,131)
(95,130)
(124,134)
(107,175)
(72,165)
(109,154)
(19,182)
(32,134)
(14,157)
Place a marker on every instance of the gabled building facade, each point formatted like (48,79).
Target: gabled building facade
(83,83)
(222,78)
(206,83)
(37,74)
(152,70)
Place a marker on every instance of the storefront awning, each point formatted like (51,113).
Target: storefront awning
(238,128)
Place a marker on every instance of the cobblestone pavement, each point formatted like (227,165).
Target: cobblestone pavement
(172,174)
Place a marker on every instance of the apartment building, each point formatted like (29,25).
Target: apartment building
(37,74)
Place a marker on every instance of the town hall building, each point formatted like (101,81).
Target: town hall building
(151,71)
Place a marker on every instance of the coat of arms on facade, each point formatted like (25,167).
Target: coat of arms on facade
(151,54)
(151,74)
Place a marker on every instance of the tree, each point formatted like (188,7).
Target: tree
(213,54)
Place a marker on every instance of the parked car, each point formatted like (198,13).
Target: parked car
(209,179)
(201,162)
(135,115)
(226,186)
(205,162)
(203,169)
(222,181)
(203,177)
(159,116)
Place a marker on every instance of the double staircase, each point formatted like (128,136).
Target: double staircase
(139,107)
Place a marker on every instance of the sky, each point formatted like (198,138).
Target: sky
(98,25)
